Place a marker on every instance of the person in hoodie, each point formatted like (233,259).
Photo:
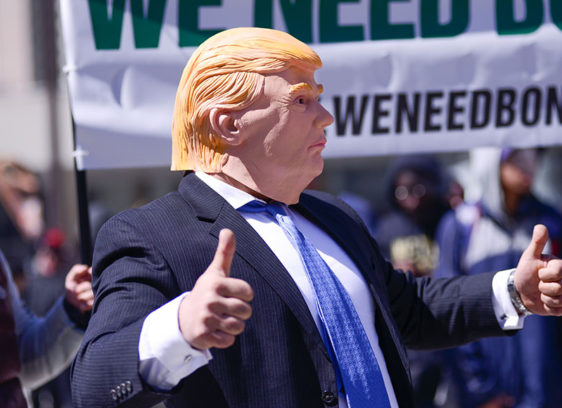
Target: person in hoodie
(490,234)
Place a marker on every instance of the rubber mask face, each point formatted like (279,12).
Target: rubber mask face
(283,131)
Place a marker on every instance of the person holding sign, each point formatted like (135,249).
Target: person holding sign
(242,290)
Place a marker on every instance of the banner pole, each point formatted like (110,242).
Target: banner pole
(86,248)
(83,217)
(83,205)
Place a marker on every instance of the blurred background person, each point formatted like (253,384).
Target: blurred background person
(21,218)
(34,349)
(39,257)
(490,234)
(43,289)
(416,191)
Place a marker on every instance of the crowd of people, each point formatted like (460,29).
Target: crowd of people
(230,291)
(427,233)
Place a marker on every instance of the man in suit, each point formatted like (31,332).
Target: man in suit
(185,312)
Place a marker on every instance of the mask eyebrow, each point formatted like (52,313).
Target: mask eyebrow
(295,89)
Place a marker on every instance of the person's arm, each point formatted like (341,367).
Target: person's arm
(211,315)
(453,239)
(428,313)
(46,345)
(130,279)
(463,308)
(133,283)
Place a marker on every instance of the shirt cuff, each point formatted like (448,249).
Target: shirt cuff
(507,316)
(165,358)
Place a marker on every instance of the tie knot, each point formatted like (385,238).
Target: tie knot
(274,208)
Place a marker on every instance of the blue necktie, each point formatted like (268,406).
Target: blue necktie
(356,362)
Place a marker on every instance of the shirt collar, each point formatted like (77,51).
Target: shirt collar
(234,196)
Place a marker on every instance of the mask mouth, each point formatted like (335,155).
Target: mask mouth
(321,143)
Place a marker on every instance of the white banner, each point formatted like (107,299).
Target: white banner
(399,75)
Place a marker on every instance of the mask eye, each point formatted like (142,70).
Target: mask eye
(301,100)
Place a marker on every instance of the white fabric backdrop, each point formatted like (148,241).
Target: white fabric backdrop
(122,98)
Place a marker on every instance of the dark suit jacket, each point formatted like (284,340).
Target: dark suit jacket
(145,257)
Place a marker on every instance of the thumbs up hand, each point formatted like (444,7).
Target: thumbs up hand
(215,311)
(538,277)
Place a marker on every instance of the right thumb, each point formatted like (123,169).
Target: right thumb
(538,242)
(225,252)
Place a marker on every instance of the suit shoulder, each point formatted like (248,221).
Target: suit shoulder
(150,228)
(169,203)
(326,202)
(157,213)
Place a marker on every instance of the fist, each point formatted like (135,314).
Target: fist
(538,278)
(215,311)
(78,286)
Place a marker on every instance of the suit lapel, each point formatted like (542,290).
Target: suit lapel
(211,207)
(338,233)
(337,229)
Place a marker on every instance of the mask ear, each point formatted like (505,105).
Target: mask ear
(225,125)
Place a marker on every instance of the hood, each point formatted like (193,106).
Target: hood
(485,170)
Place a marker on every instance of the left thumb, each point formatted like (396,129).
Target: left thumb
(538,242)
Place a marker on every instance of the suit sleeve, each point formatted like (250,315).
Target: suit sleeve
(130,280)
(429,313)
(433,313)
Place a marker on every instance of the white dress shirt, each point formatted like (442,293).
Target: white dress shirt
(161,341)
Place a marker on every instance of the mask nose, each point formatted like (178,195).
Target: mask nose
(325,118)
